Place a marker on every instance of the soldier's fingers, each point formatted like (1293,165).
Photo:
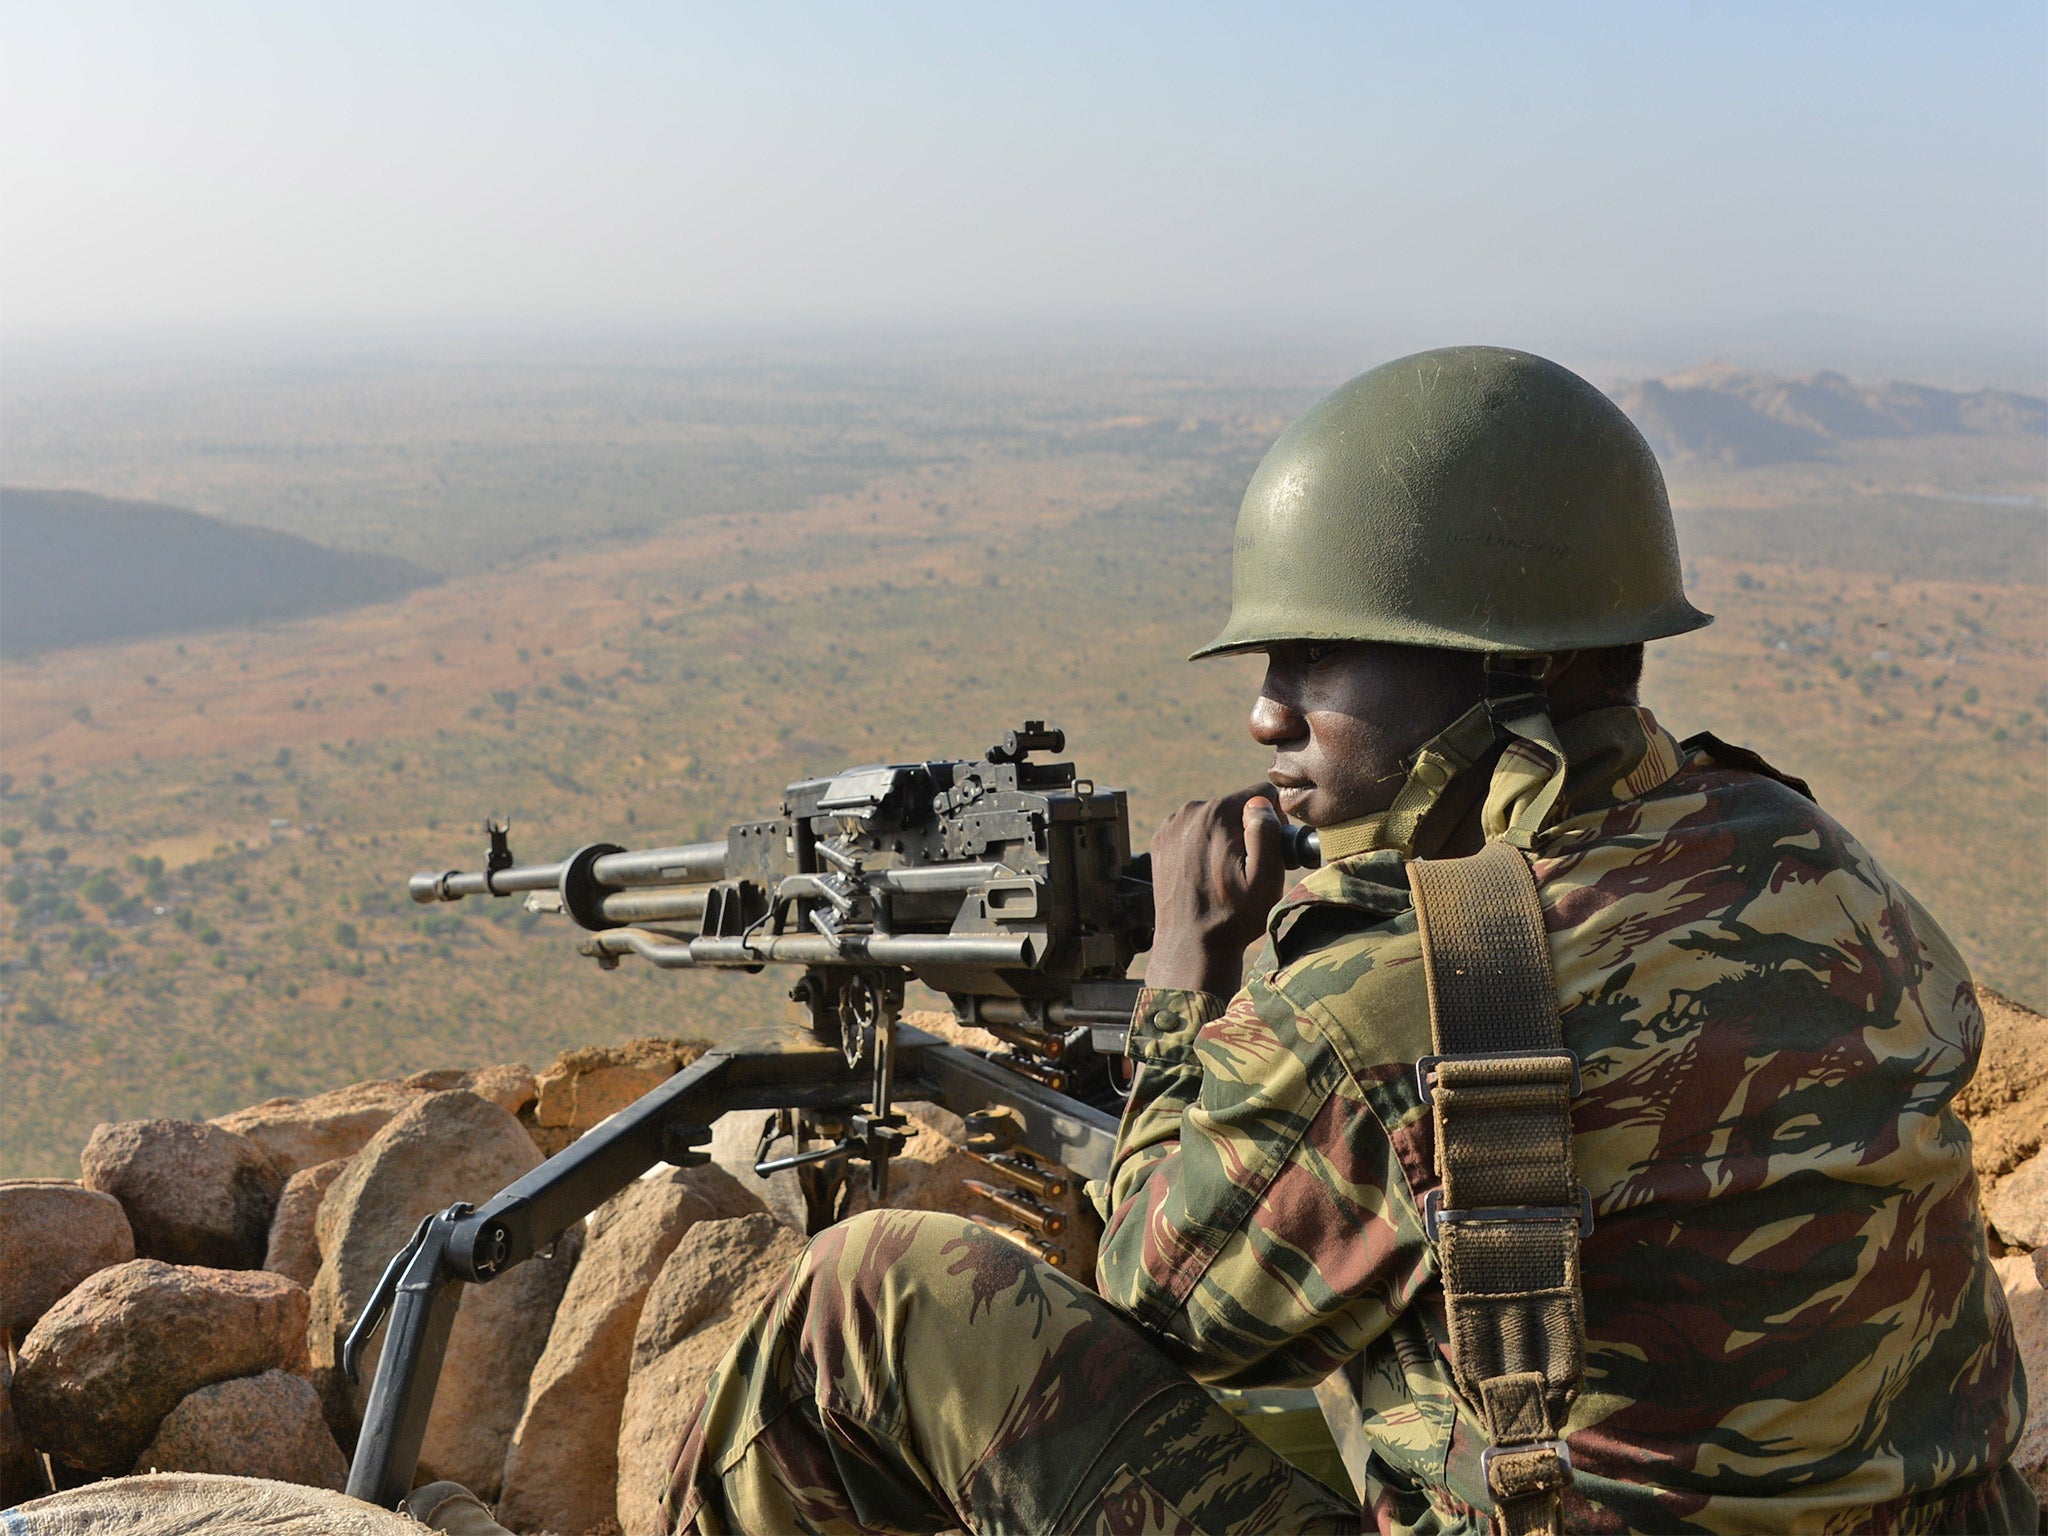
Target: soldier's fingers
(1265,855)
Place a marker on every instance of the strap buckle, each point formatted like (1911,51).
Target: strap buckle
(1425,1069)
(1557,1448)
(1516,686)
(1435,1213)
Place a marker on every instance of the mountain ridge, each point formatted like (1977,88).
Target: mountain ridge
(1721,414)
(77,568)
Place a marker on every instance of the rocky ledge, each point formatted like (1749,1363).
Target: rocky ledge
(180,1308)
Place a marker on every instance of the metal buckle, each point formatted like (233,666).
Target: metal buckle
(1425,1069)
(1558,1448)
(1434,1214)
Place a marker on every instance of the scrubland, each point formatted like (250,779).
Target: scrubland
(204,839)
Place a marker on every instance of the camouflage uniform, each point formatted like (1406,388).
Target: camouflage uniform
(1792,1322)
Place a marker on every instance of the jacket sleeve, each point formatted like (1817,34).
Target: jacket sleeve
(1257,1219)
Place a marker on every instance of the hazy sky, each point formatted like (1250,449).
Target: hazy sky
(1873,173)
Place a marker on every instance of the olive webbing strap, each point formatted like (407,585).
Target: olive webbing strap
(1507,1221)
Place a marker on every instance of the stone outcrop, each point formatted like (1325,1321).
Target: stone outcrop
(53,1233)
(103,1367)
(253,1426)
(442,1148)
(562,1469)
(579,1088)
(194,1194)
(294,1247)
(719,1274)
(2025,1277)
(189,1504)
(298,1133)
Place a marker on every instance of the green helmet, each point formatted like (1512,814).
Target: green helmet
(1472,498)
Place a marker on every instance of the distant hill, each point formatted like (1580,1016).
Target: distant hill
(1718,414)
(76,568)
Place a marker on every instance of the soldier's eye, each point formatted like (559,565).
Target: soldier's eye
(1317,652)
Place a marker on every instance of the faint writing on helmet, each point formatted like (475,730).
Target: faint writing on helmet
(1556,549)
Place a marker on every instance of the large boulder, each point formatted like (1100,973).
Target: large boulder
(294,1247)
(711,1285)
(2024,1276)
(562,1471)
(298,1133)
(198,1504)
(442,1148)
(53,1233)
(253,1426)
(103,1367)
(579,1088)
(194,1194)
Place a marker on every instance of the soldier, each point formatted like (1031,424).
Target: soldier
(1774,1309)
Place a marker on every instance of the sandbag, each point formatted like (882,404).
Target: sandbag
(200,1504)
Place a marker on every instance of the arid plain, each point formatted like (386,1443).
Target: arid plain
(669,591)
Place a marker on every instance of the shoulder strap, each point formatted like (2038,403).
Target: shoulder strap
(1507,1220)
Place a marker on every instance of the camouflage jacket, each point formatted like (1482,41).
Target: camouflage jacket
(1792,1321)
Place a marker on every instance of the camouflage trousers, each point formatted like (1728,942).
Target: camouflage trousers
(918,1373)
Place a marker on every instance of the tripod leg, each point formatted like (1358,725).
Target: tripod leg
(401,1397)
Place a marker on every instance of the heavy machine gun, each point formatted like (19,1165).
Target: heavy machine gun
(1006,884)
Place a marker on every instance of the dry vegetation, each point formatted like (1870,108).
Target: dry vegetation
(210,835)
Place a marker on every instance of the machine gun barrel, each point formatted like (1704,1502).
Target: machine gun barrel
(686,864)
(815,949)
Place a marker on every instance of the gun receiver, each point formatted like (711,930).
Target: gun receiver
(1006,884)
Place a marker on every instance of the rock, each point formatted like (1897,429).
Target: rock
(298,1133)
(294,1244)
(2002,1101)
(709,1288)
(563,1466)
(254,1426)
(493,1351)
(510,1086)
(2018,1207)
(579,1088)
(53,1233)
(21,1470)
(103,1367)
(197,1504)
(2024,1277)
(444,1147)
(194,1194)
(948,1028)
(734,1138)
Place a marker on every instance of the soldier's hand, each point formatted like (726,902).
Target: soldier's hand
(1217,869)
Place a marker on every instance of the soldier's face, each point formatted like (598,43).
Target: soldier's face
(1342,718)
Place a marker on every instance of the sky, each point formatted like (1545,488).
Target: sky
(1833,181)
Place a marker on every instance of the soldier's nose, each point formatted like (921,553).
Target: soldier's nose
(1274,724)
